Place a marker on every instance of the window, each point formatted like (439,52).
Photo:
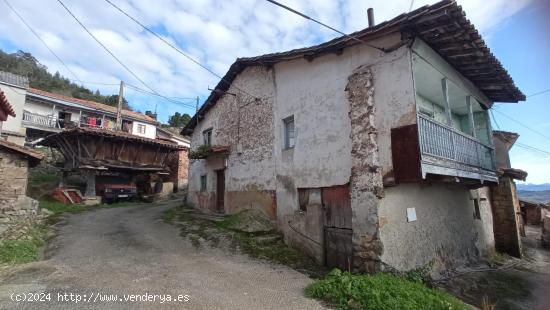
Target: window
(141,129)
(203,183)
(207,137)
(289,132)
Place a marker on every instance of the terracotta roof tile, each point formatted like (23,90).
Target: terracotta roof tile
(5,108)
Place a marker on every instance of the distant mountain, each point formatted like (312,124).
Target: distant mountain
(536,196)
(533,187)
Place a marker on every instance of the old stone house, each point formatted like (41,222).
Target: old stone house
(14,162)
(368,153)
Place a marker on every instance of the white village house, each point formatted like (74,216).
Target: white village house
(372,154)
(46,113)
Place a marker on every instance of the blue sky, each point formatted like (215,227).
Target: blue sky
(216,32)
(521,46)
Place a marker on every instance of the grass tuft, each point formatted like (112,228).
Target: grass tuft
(58,208)
(380,291)
(24,249)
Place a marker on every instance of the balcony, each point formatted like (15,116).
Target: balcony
(43,122)
(452,137)
(447,151)
(430,150)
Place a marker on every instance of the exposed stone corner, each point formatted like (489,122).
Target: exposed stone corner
(366,186)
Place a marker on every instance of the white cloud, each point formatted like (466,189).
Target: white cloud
(214,32)
(536,164)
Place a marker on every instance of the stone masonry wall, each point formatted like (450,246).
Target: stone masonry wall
(14,205)
(506,224)
(13,177)
(366,180)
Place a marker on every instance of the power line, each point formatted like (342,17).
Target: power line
(94,83)
(520,123)
(521,145)
(111,53)
(532,148)
(411,6)
(175,48)
(40,39)
(539,93)
(322,24)
(141,90)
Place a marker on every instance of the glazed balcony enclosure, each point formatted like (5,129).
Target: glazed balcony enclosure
(452,136)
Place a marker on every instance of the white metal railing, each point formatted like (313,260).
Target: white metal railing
(445,142)
(40,120)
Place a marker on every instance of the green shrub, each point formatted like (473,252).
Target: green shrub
(18,251)
(380,291)
(25,248)
(57,207)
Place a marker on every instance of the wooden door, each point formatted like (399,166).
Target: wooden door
(337,226)
(220,190)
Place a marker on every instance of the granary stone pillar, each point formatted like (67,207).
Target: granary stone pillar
(506,211)
(89,175)
(366,179)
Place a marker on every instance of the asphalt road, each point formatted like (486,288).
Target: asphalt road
(129,252)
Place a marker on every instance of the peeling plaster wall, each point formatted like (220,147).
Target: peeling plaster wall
(262,174)
(484,226)
(394,99)
(445,229)
(314,92)
(246,125)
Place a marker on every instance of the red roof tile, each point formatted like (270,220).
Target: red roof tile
(5,108)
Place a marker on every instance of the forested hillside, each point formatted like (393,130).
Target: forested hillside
(25,64)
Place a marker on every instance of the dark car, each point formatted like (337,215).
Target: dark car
(110,192)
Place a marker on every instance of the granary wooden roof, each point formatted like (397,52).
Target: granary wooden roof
(111,134)
(443,26)
(100,107)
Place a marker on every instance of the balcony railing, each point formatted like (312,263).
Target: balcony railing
(452,148)
(47,121)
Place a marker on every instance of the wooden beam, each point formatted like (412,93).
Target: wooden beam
(471,115)
(97,146)
(122,148)
(88,154)
(445,90)
(137,153)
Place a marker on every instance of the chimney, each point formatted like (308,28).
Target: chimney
(370,15)
(151,114)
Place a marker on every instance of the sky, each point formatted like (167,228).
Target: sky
(216,32)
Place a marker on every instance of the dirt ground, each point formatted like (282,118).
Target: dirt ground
(132,251)
(525,284)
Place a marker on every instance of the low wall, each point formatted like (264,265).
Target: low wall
(445,231)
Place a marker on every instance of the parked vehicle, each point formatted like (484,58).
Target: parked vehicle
(115,189)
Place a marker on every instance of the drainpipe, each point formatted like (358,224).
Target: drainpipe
(370,16)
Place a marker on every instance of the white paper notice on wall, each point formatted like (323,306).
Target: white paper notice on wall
(411,214)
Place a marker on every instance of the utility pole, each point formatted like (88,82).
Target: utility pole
(118,125)
(197,105)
